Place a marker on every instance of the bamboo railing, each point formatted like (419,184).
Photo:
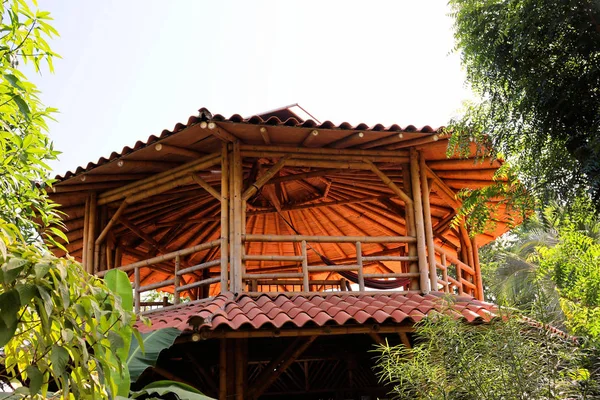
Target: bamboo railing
(179,272)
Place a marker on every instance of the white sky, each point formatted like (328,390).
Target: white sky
(133,68)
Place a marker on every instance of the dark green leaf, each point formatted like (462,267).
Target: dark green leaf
(59,357)
(154,343)
(35,379)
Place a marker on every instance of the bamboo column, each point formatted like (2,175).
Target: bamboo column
(411,229)
(420,224)
(477,267)
(224,215)
(238,215)
(91,231)
(223,369)
(86,221)
(428,225)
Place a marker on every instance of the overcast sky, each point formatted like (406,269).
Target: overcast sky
(133,68)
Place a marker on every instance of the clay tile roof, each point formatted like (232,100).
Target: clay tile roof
(264,311)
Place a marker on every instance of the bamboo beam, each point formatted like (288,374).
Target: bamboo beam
(221,133)
(403,196)
(260,182)
(310,138)
(419,222)
(428,225)
(414,142)
(204,185)
(264,133)
(278,366)
(323,151)
(383,141)
(167,148)
(346,140)
(158,179)
(329,239)
(111,222)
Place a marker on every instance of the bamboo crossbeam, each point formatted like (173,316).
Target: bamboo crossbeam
(266,282)
(332,268)
(264,133)
(311,137)
(303,175)
(383,141)
(260,182)
(271,257)
(390,258)
(156,285)
(200,267)
(321,204)
(346,140)
(304,162)
(322,151)
(414,142)
(328,239)
(445,191)
(468,284)
(111,222)
(330,157)
(282,275)
(204,185)
(454,260)
(203,282)
(385,179)
(158,179)
(393,275)
(166,257)
(182,151)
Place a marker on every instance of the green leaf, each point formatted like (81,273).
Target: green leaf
(14,81)
(6,332)
(35,379)
(161,388)
(118,282)
(23,107)
(154,343)
(59,357)
(10,304)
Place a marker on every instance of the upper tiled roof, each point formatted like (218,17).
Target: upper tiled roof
(296,311)
(205,115)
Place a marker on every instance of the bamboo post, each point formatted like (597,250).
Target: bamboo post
(411,229)
(428,224)
(223,369)
(305,276)
(86,221)
(445,272)
(420,224)
(136,290)
(360,272)
(477,266)
(177,279)
(92,217)
(237,219)
(224,215)
(240,367)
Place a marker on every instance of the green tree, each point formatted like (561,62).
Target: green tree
(505,359)
(536,67)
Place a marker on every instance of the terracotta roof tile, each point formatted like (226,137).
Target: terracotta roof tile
(341,308)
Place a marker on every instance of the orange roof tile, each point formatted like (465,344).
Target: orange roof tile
(296,311)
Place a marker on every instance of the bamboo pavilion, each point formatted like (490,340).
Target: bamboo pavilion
(289,246)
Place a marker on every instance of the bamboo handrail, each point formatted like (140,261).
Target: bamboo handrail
(271,257)
(199,267)
(389,258)
(156,285)
(393,275)
(327,239)
(332,268)
(203,282)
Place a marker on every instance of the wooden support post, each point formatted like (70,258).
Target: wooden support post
(428,225)
(92,217)
(223,369)
(305,276)
(360,272)
(236,196)
(420,224)
(445,272)
(176,279)
(477,267)
(224,215)
(411,229)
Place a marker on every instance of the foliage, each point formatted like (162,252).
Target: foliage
(25,209)
(536,67)
(176,390)
(145,350)
(506,359)
(60,328)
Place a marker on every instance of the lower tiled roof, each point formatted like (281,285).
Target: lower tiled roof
(231,312)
